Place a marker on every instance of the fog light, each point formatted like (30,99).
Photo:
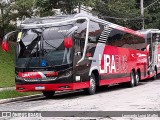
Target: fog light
(20,88)
(66,86)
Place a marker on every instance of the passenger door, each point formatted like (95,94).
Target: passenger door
(79,68)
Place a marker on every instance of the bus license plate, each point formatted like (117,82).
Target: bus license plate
(39,88)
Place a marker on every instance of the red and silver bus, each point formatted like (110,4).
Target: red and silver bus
(76,52)
(152,37)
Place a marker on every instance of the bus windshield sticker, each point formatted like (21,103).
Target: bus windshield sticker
(19,37)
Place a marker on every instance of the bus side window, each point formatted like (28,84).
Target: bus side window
(149,38)
(154,35)
(136,42)
(156,38)
(95,30)
(126,40)
(115,38)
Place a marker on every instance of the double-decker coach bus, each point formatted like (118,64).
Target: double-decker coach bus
(152,37)
(76,52)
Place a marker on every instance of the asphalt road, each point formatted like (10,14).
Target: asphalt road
(119,98)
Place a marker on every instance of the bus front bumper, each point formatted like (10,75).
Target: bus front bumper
(52,87)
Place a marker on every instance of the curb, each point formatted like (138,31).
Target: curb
(16,99)
(19,98)
(23,98)
(7,88)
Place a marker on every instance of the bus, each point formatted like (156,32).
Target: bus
(152,37)
(76,52)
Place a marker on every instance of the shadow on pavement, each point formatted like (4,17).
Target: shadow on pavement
(80,93)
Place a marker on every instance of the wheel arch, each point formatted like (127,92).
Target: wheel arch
(96,75)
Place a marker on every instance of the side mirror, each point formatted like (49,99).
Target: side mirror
(5,46)
(68,43)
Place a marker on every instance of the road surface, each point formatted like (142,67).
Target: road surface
(119,98)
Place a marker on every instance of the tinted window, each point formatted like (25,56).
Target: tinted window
(115,38)
(122,39)
(156,37)
(32,48)
(95,30)
(149,38)
(54,37)
(80,35)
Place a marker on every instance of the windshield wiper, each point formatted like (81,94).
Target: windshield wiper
(50,44)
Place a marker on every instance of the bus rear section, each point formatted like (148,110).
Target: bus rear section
(80,52)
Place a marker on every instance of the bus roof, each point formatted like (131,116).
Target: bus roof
(52,20)
(146,31)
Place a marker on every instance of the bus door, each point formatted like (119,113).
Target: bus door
(95,29)
(79,68)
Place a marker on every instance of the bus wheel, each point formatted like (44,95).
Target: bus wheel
(132,81)
(92,89)
(48,94)
(155,75)
(137,79)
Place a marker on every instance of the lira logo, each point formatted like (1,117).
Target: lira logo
(113,63)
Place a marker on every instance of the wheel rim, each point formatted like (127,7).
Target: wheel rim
(155,74)
(137,79)
(92,84)
(132,80)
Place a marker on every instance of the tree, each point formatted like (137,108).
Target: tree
(21,8)
(4,18)
(152,19)
(46,7)
(121,12)
(127,13)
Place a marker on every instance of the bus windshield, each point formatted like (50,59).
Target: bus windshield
(43,47)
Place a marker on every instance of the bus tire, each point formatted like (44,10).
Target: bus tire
(137,79)
(92,89)
(155,75)
(48,94)
(132,81)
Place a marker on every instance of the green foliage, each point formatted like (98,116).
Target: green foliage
(21,8)
(152,19)
(127,13)
(4,20)
(119,11)
(46,7)
(13,94)
(7,73)
(123,12)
